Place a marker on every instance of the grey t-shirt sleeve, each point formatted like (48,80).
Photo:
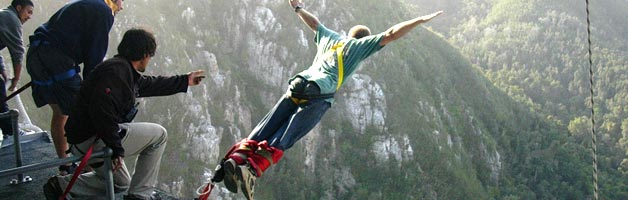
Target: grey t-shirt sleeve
(11,37)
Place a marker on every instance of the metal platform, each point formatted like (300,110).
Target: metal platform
(26,166)
(34,151)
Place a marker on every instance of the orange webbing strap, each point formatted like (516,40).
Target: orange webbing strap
(77,171)
(112,5)
(298,101)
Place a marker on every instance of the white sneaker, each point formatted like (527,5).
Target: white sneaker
(246,180)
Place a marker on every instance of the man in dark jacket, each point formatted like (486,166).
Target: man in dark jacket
(77,33)
(11,20)
(102,115)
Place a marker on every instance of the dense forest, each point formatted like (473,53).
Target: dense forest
(537,52)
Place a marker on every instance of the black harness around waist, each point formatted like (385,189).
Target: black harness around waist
(303,89)
(310,96)
(35,43)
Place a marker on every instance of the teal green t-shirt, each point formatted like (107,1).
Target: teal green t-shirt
(324,70)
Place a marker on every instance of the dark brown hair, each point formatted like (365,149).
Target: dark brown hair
(137,43)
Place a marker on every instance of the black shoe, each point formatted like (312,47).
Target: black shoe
(230,179)
(52,190)
(246,179)
(219,173)
(67,169)
(9,134)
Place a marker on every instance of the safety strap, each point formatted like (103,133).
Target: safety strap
(207,190)
(78,170)
(56,77)
(310,96)
(300,99)
(338,48)
(37,42)
(59,77)
(244,145)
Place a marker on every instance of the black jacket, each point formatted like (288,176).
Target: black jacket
(106,97)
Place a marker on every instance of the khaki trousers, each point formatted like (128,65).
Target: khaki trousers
(144,141)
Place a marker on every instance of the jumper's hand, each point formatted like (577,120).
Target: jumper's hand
(295,3)
(195,77)
(432,16)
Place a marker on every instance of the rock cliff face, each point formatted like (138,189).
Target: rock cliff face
(416,122)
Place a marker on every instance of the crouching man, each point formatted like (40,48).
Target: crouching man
(105,106)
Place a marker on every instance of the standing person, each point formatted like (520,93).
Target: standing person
(11,20)
(105,107)
(77,33)
(309,96)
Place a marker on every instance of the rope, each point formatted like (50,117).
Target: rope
(206,191)
(593,138)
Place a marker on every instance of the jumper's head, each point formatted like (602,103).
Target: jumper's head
(359,31)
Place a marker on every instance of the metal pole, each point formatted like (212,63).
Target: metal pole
(109,175)
(13,114)
(45,165)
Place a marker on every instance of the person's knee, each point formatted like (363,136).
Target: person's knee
(162,134)
(121,180)
(121,184)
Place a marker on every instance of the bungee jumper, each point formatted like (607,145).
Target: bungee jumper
(310,94)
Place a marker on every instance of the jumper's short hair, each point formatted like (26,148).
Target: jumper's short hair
(137,43)
(22,3)
(359,31)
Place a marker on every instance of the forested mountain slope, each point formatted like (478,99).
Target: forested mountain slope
(420,120)
(536,51)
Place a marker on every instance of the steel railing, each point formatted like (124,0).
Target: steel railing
(20,169)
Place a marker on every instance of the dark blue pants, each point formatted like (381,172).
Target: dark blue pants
(3,89)
(3,95)
(5,124)
(288,122)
